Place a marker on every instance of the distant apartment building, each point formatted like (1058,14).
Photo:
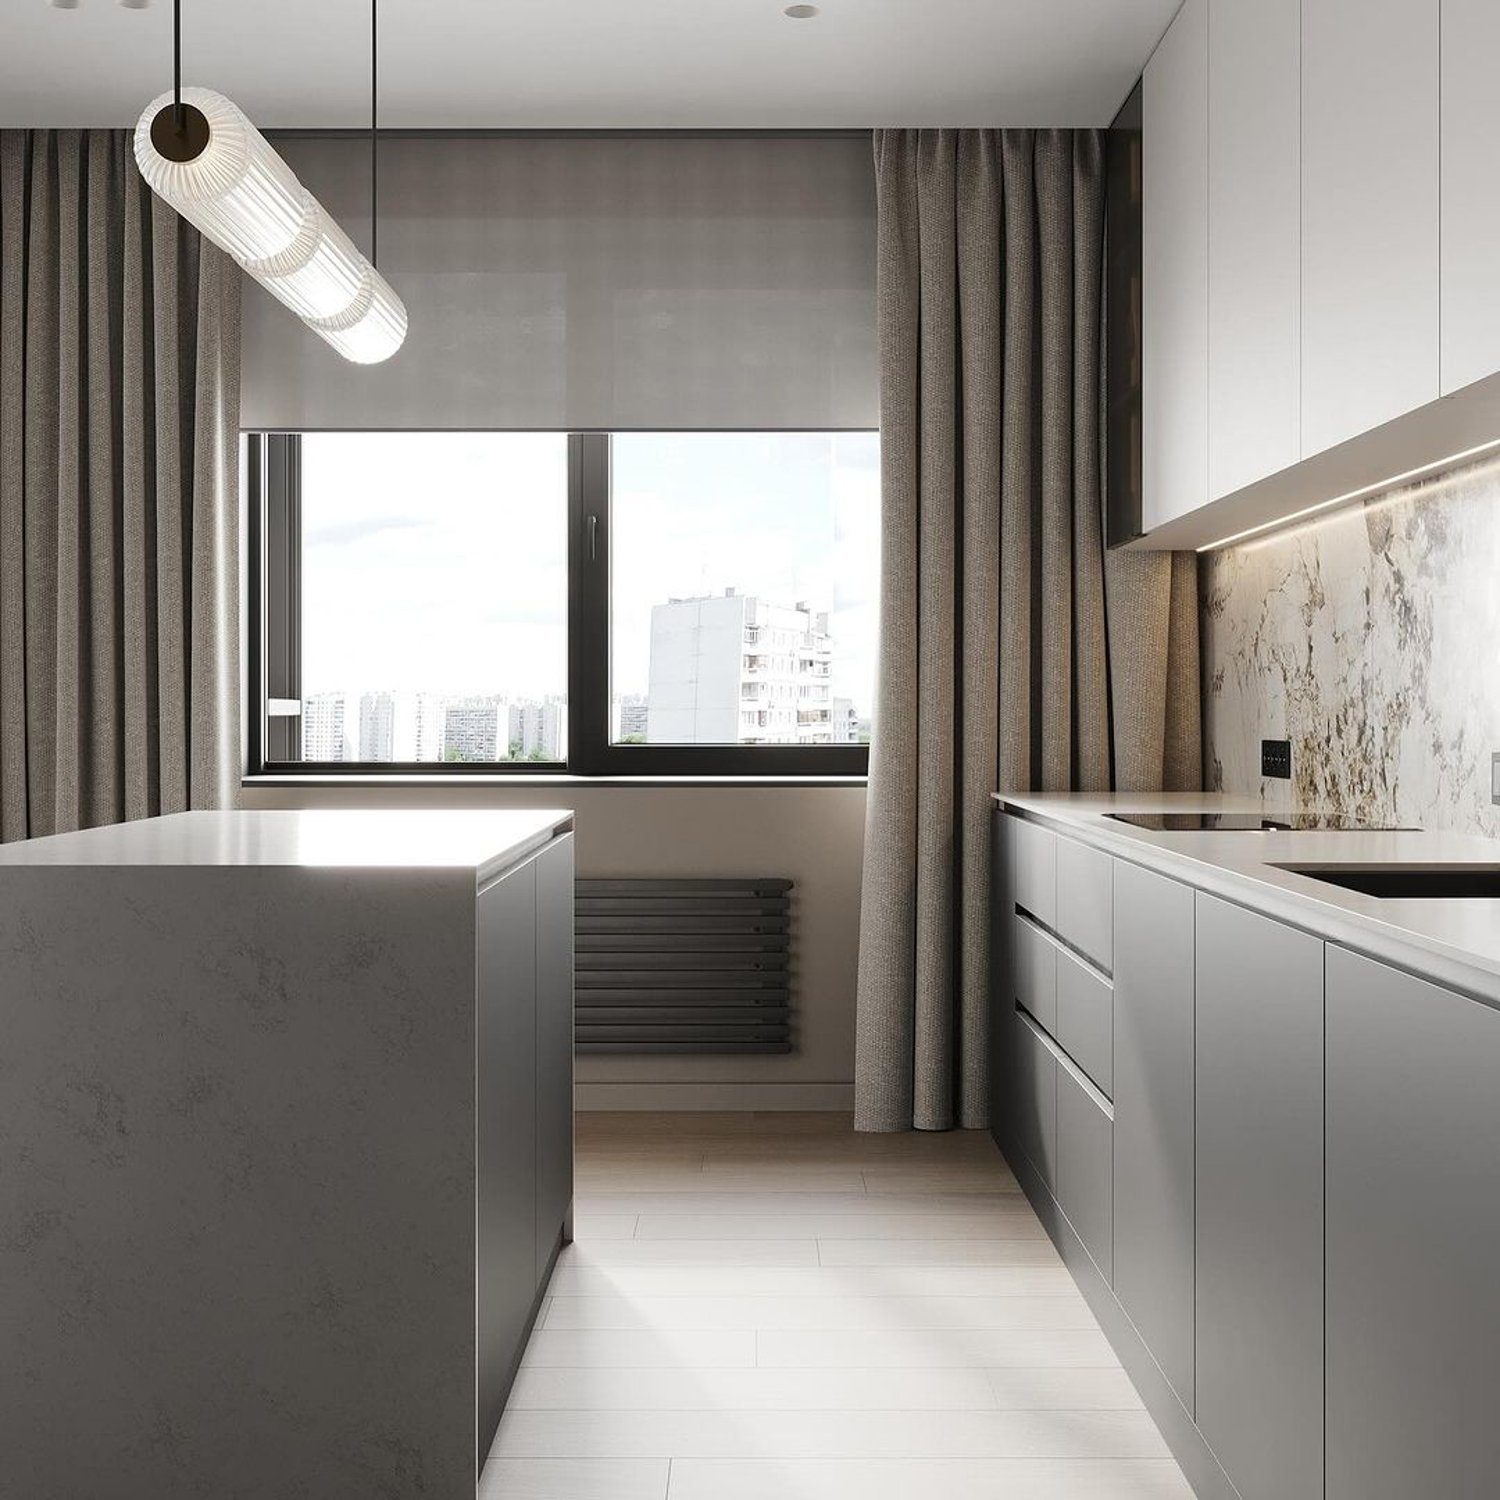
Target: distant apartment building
(846,725)
(385,725)
(630,718)
(539,731)
(733,669)
(377,727)
(399,726)
(476,730)
(422,722)
(324,736)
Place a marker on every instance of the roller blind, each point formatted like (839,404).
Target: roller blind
(611,281)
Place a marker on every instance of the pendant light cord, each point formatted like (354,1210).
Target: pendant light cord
(177,63)
(374,152)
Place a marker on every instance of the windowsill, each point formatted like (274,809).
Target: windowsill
(516,782)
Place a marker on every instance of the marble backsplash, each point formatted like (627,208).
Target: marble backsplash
(1371,639)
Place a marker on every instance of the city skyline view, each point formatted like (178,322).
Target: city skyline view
(434,570)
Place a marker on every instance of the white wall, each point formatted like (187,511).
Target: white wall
(812,835)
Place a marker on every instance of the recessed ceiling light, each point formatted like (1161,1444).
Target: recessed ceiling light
(801,12)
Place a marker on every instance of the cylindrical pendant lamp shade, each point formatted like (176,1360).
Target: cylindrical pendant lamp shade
(240,193)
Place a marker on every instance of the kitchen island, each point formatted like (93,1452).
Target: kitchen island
(285,1148)
(1250,1079)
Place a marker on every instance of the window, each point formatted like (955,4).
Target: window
(630,604)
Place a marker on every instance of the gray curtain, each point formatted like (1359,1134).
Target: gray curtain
(1016,653)
(119,556)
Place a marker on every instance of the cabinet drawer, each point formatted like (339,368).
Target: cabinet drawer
(1085,1164)
(1085,901)
(1034,869)
(1035,970)
(1086,1019)
(1036,1099)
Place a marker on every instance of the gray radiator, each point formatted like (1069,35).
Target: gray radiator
(683,966)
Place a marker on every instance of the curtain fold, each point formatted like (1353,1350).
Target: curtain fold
(119,533)
(1016,653)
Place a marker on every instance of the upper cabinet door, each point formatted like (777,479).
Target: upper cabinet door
(1174,271)
(1254,240)
(1369,214)
(1471,206)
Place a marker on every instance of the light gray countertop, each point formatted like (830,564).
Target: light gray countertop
(485,842)
(1455,941)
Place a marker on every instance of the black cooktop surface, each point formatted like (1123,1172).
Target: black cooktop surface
(1207,822)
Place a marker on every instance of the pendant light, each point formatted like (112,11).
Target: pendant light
(200,153)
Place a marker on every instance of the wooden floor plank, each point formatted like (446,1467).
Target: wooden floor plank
(773,1305)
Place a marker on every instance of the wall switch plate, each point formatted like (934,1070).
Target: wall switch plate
(1495,777)
(1276,759)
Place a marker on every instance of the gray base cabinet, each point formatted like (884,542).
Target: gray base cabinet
(554,1053)
(524,1136)
(1413,1203)
(1086,1019)
(1085,1164)
(1259,1304)
(1271,1164)
(1153,1130)
(505,1138)
(1034,959)
(1035,1089)
(298,1253)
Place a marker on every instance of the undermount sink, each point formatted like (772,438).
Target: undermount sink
(1405,882)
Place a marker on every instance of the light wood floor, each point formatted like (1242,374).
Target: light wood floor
(771,1307)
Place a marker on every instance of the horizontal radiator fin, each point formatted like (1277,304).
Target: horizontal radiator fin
(683,965)
(662,1048)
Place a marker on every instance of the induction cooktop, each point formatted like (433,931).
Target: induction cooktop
(1227,822)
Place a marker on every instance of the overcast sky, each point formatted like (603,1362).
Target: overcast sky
(438,561)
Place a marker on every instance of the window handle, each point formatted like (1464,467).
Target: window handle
(593,538)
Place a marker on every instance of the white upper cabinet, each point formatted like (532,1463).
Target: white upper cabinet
(1321,246)
(1369,214)
(1174,271)
(1471,192)
(1254,240)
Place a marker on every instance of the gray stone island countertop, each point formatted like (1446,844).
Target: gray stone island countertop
(485,842)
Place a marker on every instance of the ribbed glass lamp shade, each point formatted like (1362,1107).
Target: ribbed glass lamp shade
(243,196)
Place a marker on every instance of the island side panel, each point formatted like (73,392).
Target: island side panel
(506,1226)
(237,1183)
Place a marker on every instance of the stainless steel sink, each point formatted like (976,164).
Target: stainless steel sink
(1407,882)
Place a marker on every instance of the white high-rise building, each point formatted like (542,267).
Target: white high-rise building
(476,730)
(417,724)
(629,715)
(377,727)
(540,730)
(733,669)
(845,722)
(428,723)
(324,728)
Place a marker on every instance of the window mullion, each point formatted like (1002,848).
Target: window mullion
(588,602)
(280,593)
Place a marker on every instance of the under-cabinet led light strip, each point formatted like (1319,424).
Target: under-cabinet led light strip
(1363,492)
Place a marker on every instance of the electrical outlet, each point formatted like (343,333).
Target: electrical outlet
(1495,777)
(1276,759)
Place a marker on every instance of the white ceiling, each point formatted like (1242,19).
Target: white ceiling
(551,64)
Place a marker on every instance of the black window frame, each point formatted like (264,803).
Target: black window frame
(273,489)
